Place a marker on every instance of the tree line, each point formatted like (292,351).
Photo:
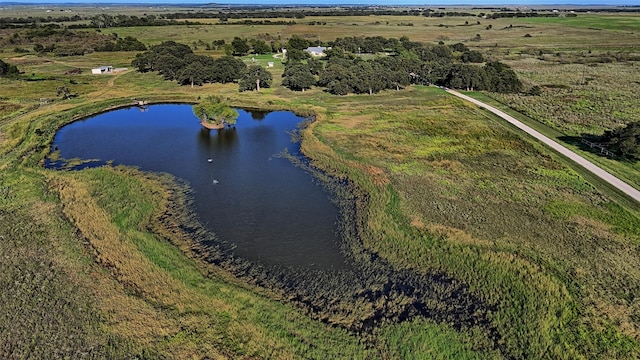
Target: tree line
(121,20)
(344,73)
(341,71)
(65,42)
(175,61)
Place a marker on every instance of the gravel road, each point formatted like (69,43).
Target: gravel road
(614,181)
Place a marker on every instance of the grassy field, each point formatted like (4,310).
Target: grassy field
(449,190)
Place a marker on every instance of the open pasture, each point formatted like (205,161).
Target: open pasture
(440,187)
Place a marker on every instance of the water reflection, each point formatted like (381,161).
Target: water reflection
(257,115)
(273,212)
(219,139)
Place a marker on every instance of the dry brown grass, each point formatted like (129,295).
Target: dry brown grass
(123,263)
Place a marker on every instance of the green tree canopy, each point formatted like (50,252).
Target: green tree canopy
(297,42)
(7,69)
(315,66)
(167,58)
(194,74)
(298,77)
(333,72)
(625,140)
(227,69)
(459,47)
(501,78)
(212,110)
(240,46)
(260,46)
(364,77)
(472,56)
(254,78)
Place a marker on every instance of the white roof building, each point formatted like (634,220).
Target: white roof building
(102,70)
(316,50)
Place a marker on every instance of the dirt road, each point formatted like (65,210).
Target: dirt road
(614,181)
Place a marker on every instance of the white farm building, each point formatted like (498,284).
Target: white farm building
(102,70)
(316,50)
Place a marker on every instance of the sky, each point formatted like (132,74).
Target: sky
(354,2)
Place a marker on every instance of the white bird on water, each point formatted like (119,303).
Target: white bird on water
(210,160)
(215,181)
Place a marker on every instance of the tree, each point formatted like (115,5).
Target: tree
(228,49)
(167,58)
(296,55)
(129,43)
(394,45)
(169,66)
(501,78)
(297,42)
(339,87)
(459,47)
(336,52)
(298,77)
(240,46)
(472,56)
(364,77)
(373,44)
(315,66)
(333,72)
(254,78)
(143,61)
(393,72)
(260,46)
(8,69)
(625,140)
(469,77)
(194,74)
(212,110)
(171,47)
(227,69)
(535,91)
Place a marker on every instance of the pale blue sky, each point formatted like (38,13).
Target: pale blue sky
(355,2)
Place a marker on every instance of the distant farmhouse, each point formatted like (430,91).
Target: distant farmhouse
(316,50)
(102,70)
(107,70)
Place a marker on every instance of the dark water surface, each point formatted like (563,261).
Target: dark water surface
(271,211)
(274,214)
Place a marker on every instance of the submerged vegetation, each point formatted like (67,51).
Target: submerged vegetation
(471,241)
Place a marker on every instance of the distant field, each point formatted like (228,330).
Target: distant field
(618,22)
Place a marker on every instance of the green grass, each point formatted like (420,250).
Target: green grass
(450,190)
(478,197)
(423,339)
(282,330)
(618,22)
(625,170)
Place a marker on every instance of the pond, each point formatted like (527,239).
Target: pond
(272,212)
(276,225)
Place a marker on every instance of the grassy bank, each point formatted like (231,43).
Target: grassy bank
(453,191)
(450,191)
(623,169)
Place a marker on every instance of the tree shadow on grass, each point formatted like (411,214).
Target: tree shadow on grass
(589,143)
